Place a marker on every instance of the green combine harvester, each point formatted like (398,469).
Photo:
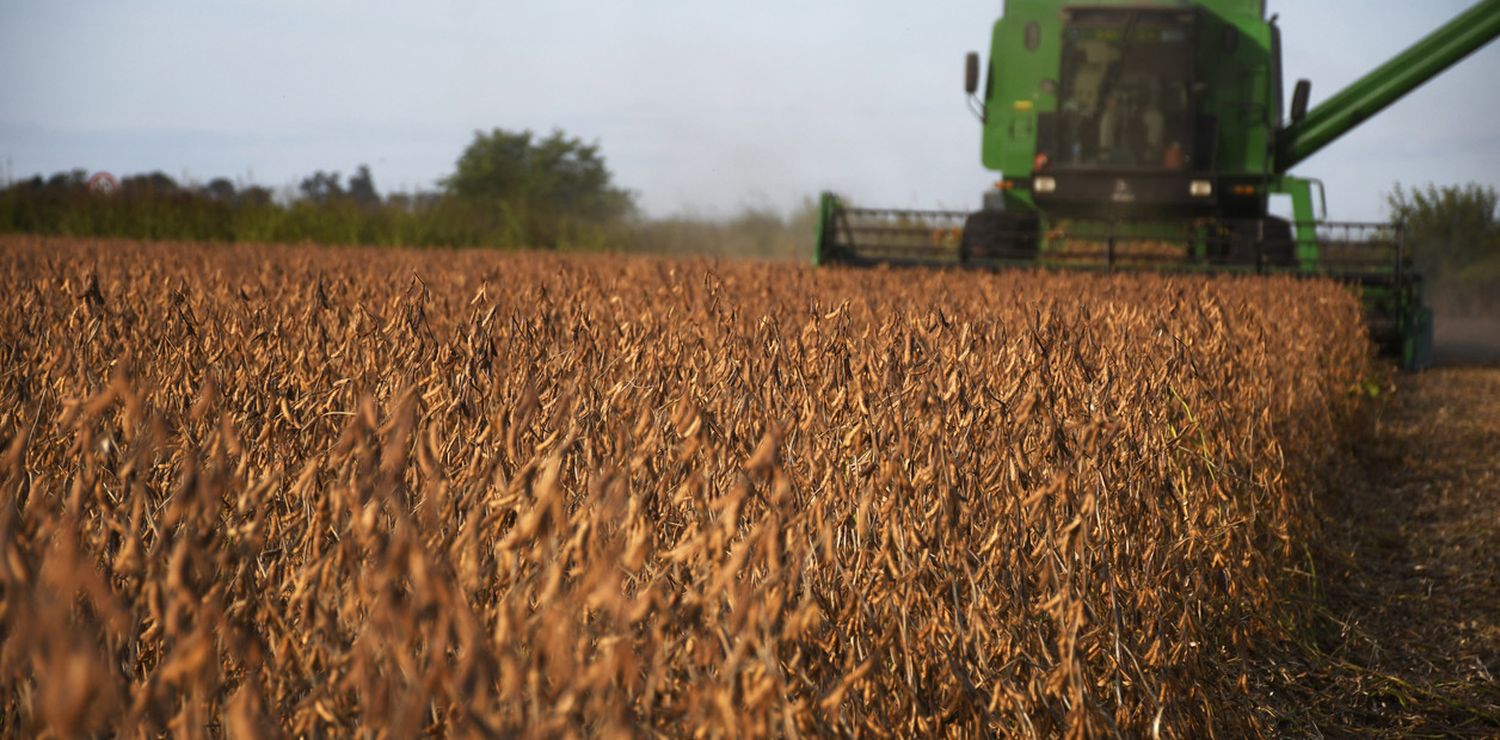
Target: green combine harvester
(1151,135)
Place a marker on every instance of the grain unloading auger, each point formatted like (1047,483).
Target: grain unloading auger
(1151,134)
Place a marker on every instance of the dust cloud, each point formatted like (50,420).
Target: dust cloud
(1466,323)
(1465,339)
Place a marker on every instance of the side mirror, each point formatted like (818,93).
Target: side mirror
(1299,100)
(971,73)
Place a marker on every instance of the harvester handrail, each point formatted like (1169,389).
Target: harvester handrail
(902,212)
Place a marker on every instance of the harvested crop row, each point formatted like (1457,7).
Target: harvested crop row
(322,490)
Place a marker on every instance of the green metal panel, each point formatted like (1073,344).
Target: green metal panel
(1015,92)
(1235,61)
(1386,84)
(1304,218)
(1240,83)
(828,205)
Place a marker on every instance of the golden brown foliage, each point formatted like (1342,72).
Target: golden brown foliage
(258,488)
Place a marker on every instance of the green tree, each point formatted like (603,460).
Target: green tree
(1454,235)
(362,188)
(322,187)
(220,189)
(1449,227)
(558,174)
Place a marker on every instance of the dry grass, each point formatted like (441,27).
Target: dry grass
(1407,643)
(253,488)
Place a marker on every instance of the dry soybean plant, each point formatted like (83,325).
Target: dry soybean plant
(257,490)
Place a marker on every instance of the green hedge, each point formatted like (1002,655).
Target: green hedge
(187,215)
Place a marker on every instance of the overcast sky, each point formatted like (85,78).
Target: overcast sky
(700,107)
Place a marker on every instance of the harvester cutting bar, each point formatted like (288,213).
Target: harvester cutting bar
(859,236)
(1375,252)
(904,237)
(1370,258)
(1350,251)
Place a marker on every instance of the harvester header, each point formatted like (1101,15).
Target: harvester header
(1153,135)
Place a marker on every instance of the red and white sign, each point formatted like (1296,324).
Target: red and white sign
(103,183)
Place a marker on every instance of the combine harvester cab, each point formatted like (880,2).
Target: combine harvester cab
(1152,136)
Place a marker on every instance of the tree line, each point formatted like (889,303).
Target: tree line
(509,189)
(1453,232)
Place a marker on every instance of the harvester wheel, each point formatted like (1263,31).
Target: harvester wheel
(1280,247)
(993,234)
(1273,244)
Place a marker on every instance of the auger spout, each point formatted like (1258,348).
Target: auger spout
(1386,84)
